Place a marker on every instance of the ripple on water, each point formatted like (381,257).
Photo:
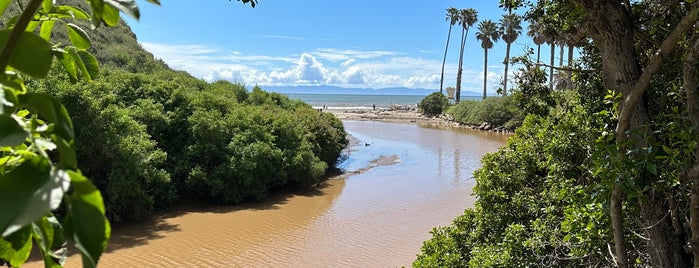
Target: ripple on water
(419,178)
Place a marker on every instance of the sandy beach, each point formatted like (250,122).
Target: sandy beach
(407,116)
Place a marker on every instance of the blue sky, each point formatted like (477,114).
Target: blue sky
(357,43)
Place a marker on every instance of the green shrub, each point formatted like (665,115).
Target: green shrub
(499,111)
(433,104)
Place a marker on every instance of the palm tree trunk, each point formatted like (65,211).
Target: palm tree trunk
(507,67)
(570,61)
(461,61)
(553,53)
(485,72)
(538,53)
(444,61)
(560,55)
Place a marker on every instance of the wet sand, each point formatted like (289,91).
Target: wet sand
(401,180)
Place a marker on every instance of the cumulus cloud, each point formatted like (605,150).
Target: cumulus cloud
(325,66)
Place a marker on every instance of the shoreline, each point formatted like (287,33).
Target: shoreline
(409,116)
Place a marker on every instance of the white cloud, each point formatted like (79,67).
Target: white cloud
(325,66)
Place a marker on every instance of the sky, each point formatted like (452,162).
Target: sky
(356,44)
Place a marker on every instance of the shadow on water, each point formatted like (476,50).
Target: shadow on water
(140,233)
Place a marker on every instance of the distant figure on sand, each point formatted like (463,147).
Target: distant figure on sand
(374,107)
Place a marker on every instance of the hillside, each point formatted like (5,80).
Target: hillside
(148,136)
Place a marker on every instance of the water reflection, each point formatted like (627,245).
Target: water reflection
(419,179)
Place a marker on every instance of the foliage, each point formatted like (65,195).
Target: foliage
(39,164)
(528,211)
(548,198)
(500,111)
(433,104)
(141,132)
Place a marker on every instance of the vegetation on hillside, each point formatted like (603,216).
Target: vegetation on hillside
(145,135)
(605,172)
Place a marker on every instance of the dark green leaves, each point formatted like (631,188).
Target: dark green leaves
(84,61)
(77,36)
(32,54)
(52,110)
(129,7)
(28,192)
(85,222)
(15,248)
(11,133)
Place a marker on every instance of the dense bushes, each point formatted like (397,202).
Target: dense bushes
(147,139)
(433,104)
(534,204)
(499,111)
(147,135)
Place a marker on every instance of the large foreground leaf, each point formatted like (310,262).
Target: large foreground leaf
(28,192)
(85,222)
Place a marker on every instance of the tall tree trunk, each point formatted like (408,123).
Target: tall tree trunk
(538,53)
(570,55)
(485,71)
(570,61)
(444,61)
(507,66)
(461,61)
(560,55)
(553,53)
(691,87)
(612,31)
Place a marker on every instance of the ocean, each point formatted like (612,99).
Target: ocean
(361,102)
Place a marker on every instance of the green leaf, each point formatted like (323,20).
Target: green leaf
(52,110)
(3,6)
(15,248)
(85,62)
(97,7)
(46,29)
(48,235)
(11,133)
(28,192)
(32,55)
(85,222)
(66,12)
(110,15)
(129,7)
(90,62)
(47,5)
(78,37)
(69,66)
(66,151)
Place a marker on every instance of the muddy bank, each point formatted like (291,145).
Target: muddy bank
(410,116)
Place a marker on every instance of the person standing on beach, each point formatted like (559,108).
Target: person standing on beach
(374,106)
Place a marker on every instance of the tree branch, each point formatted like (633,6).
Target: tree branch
(667,47)
(9,47)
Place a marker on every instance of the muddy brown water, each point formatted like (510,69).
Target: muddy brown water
(402,180)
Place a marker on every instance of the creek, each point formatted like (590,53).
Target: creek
(400,181)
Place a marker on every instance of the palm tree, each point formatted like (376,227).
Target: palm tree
(510,27)
(552,42)
(453,18)
(536,32)
(488,34)
(467,18)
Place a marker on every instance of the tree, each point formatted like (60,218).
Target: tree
(467,18)
(453,18)
(433,104)
(488,34)
(510,28)
(39,170)
(536,32)
(552,43)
